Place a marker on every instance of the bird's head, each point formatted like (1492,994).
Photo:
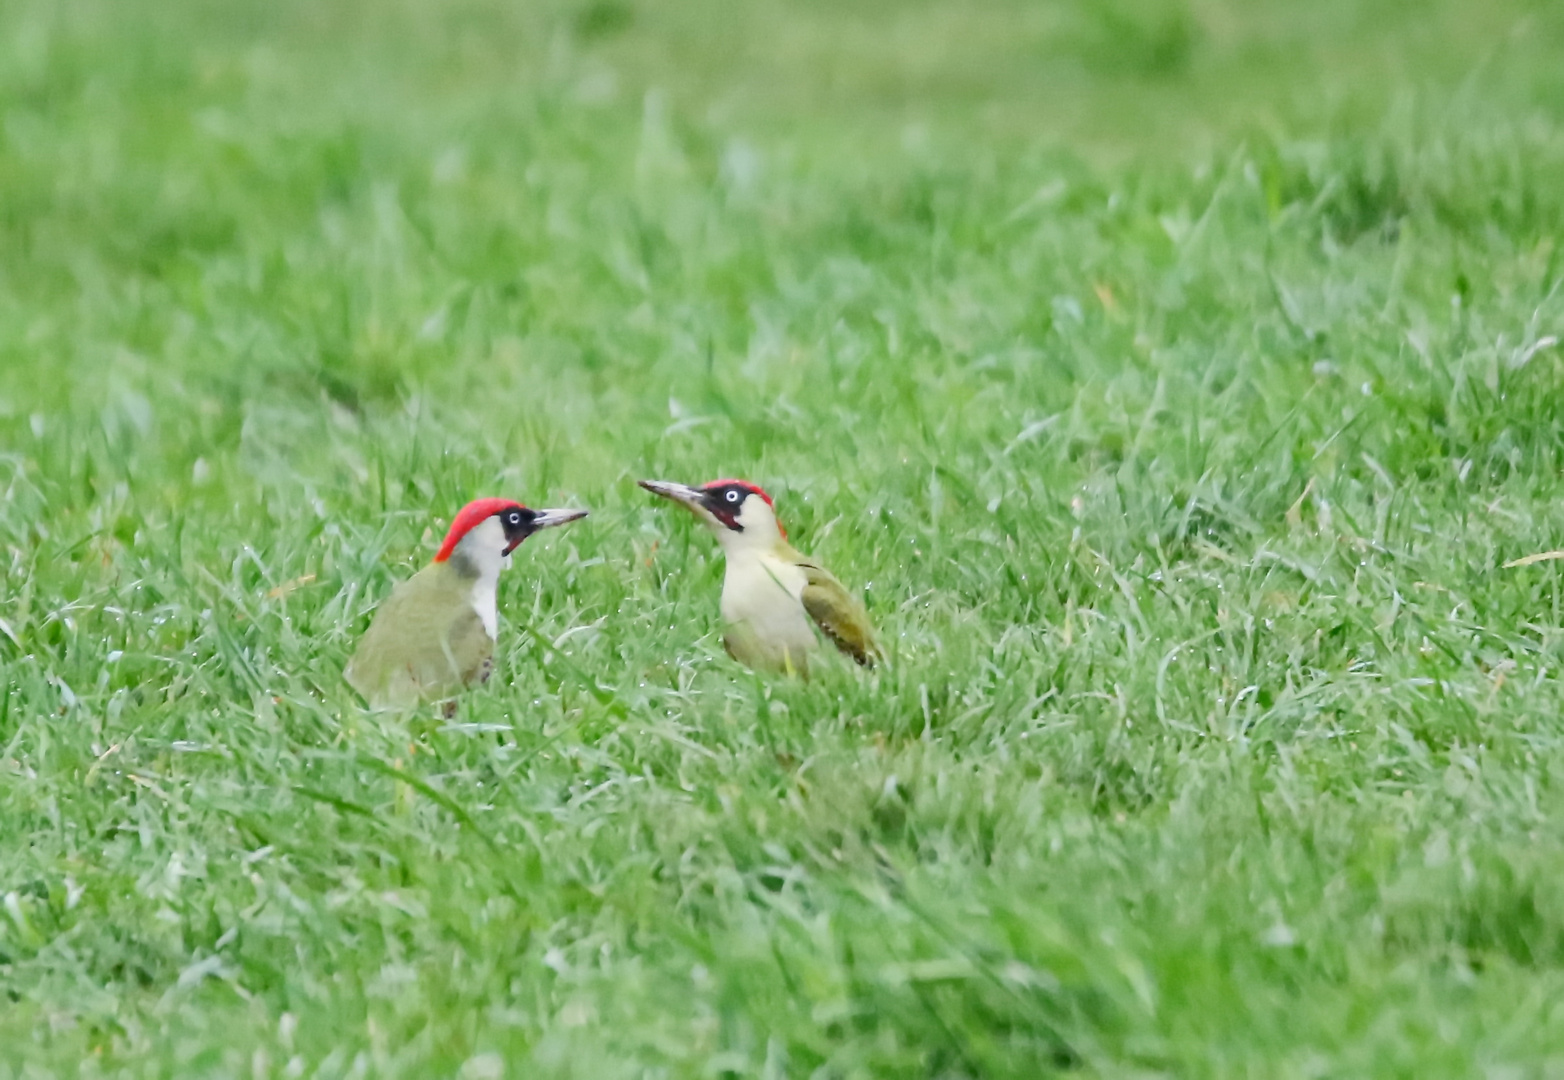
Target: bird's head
(740,513)
(486,531)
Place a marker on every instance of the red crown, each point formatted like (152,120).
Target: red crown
(479,510)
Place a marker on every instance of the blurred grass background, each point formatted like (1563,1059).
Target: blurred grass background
(1175,378)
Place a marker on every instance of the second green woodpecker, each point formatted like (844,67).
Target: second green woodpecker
(776,603)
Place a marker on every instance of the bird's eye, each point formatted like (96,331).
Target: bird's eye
(733,496)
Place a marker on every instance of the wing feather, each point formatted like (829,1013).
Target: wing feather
(839,615)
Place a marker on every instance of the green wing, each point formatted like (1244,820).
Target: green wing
(839,614)
(425,643)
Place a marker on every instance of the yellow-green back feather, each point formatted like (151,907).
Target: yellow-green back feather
(425,642)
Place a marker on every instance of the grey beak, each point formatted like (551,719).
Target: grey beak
(679,493)
(549,518)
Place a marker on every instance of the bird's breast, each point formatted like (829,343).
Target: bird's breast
(763,593)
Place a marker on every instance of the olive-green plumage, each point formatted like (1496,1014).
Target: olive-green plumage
(434,635)
(427,641)
(839,614)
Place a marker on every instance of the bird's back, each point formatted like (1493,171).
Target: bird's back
(425,642)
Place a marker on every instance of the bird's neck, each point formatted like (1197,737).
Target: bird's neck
(755,542)
(468,569)
(480,554)
(476,564)
(746,557)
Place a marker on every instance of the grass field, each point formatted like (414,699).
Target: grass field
(1175,378)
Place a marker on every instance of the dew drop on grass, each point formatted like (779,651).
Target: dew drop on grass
(1279,936)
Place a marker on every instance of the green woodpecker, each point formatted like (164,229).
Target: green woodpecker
(775,602)
(435,634)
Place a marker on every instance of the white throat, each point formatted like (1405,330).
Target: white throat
(482,551)
(760,532)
